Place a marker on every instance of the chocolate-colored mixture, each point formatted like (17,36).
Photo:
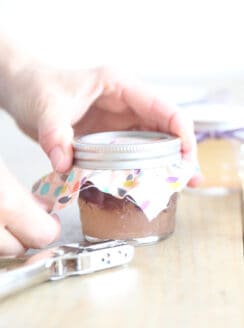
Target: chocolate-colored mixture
(104,216)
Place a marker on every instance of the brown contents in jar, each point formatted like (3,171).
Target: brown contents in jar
(104,216)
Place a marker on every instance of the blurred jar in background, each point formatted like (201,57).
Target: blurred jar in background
(241,169)
(220,132)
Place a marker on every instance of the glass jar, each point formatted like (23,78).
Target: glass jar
(122,196)
(219,132)
(241,169)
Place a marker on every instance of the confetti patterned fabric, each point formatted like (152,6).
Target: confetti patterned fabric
(151,189)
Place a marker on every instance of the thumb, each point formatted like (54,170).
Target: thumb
(23,224)
(55,135)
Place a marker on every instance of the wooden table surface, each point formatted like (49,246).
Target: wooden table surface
(193,279)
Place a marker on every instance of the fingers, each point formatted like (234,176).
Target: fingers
(196,180)
(154,113)
(184,128)
(45,204)
(114,94)
(55,135)
(23,224)
(32,226)
(162,117)
(9,245)
(67,99)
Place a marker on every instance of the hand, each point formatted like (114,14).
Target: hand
(23,223)
(53,106)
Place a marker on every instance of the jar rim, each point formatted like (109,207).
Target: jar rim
(125,149)
(216,117)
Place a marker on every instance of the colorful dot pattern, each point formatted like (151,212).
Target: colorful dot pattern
(59,189)
(62,189)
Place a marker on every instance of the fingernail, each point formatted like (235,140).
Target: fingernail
(56,156)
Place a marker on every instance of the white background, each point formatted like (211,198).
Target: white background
(165,40)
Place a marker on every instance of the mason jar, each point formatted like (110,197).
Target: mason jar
(219,131)
(129,186)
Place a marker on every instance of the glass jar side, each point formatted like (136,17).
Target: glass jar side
(136,163)
(104,216)
(219,160)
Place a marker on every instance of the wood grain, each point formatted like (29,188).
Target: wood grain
(193,279)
